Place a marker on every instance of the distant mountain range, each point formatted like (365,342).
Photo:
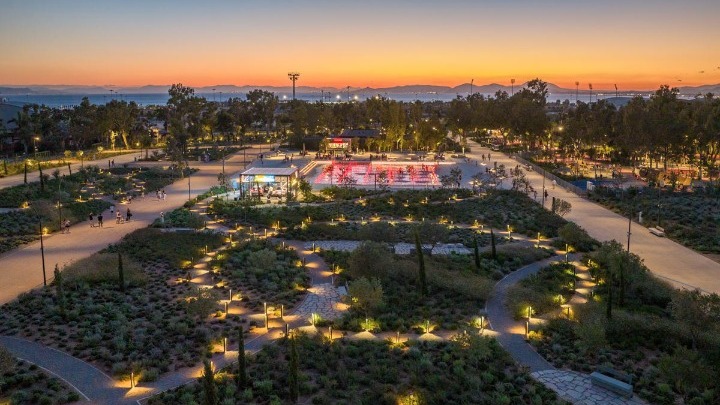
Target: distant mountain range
(462,89)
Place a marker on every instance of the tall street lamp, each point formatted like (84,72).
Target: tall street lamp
(512,87)
(35,141)
(59,207)
(42,251)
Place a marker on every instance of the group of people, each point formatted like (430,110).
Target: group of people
(160,194)
(119,218)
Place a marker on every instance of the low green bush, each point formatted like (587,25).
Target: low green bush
(468,370)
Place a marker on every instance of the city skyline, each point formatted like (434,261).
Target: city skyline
(633,44)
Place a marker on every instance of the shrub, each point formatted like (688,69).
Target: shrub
(103,268)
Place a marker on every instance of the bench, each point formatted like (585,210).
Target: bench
(657,231)
(613,380)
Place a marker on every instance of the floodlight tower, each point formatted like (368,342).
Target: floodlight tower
(293,76)
(512,83)
(590,87)
(577,90)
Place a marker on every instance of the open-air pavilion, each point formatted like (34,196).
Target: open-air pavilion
(267,181)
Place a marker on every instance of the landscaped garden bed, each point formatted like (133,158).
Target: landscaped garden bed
(263,273)
(457,287)
(147,324)
(666,339)
(22,383)
(467,370)
(543,292)
(496,209)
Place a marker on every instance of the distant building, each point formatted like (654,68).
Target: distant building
(348,139)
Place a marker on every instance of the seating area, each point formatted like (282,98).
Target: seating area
(613,380)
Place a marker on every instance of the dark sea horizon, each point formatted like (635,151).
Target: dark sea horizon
(148,99)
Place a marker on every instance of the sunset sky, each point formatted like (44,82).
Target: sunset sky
(637,44)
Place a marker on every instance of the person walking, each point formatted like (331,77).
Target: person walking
(128,215)
(100,219)
(67,226)
(112,209)
(118,217)
(91,219)
(162,218)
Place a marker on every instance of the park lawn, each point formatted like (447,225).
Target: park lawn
(468,370)
(22,383)
(148,327)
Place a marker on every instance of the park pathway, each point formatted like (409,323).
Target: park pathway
(682,267)
(21,269)
(570,385)
(34,174)
(92,384)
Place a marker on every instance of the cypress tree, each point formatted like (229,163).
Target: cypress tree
(421,265)
(42,180)
(476,252)
(293,380)
(60,291)
(241,377)
(121,273)
(208,384)
(492,245)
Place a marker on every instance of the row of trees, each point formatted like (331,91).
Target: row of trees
(663,128)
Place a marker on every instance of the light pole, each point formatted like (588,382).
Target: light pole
(293,76)
(577,91)
(471,84)
(35,140)
(59,207)
(629,233)
(512,87)
(590,87)
(189,198)
(42,251)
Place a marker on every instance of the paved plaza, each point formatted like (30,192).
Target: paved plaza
(578,389)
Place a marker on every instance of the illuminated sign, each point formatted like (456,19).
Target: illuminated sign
(259,179)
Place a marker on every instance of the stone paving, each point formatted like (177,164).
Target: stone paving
(324,300)
(401,248)
(578,389)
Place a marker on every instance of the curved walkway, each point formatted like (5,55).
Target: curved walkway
(511,333)
(569,385)
(89,381)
